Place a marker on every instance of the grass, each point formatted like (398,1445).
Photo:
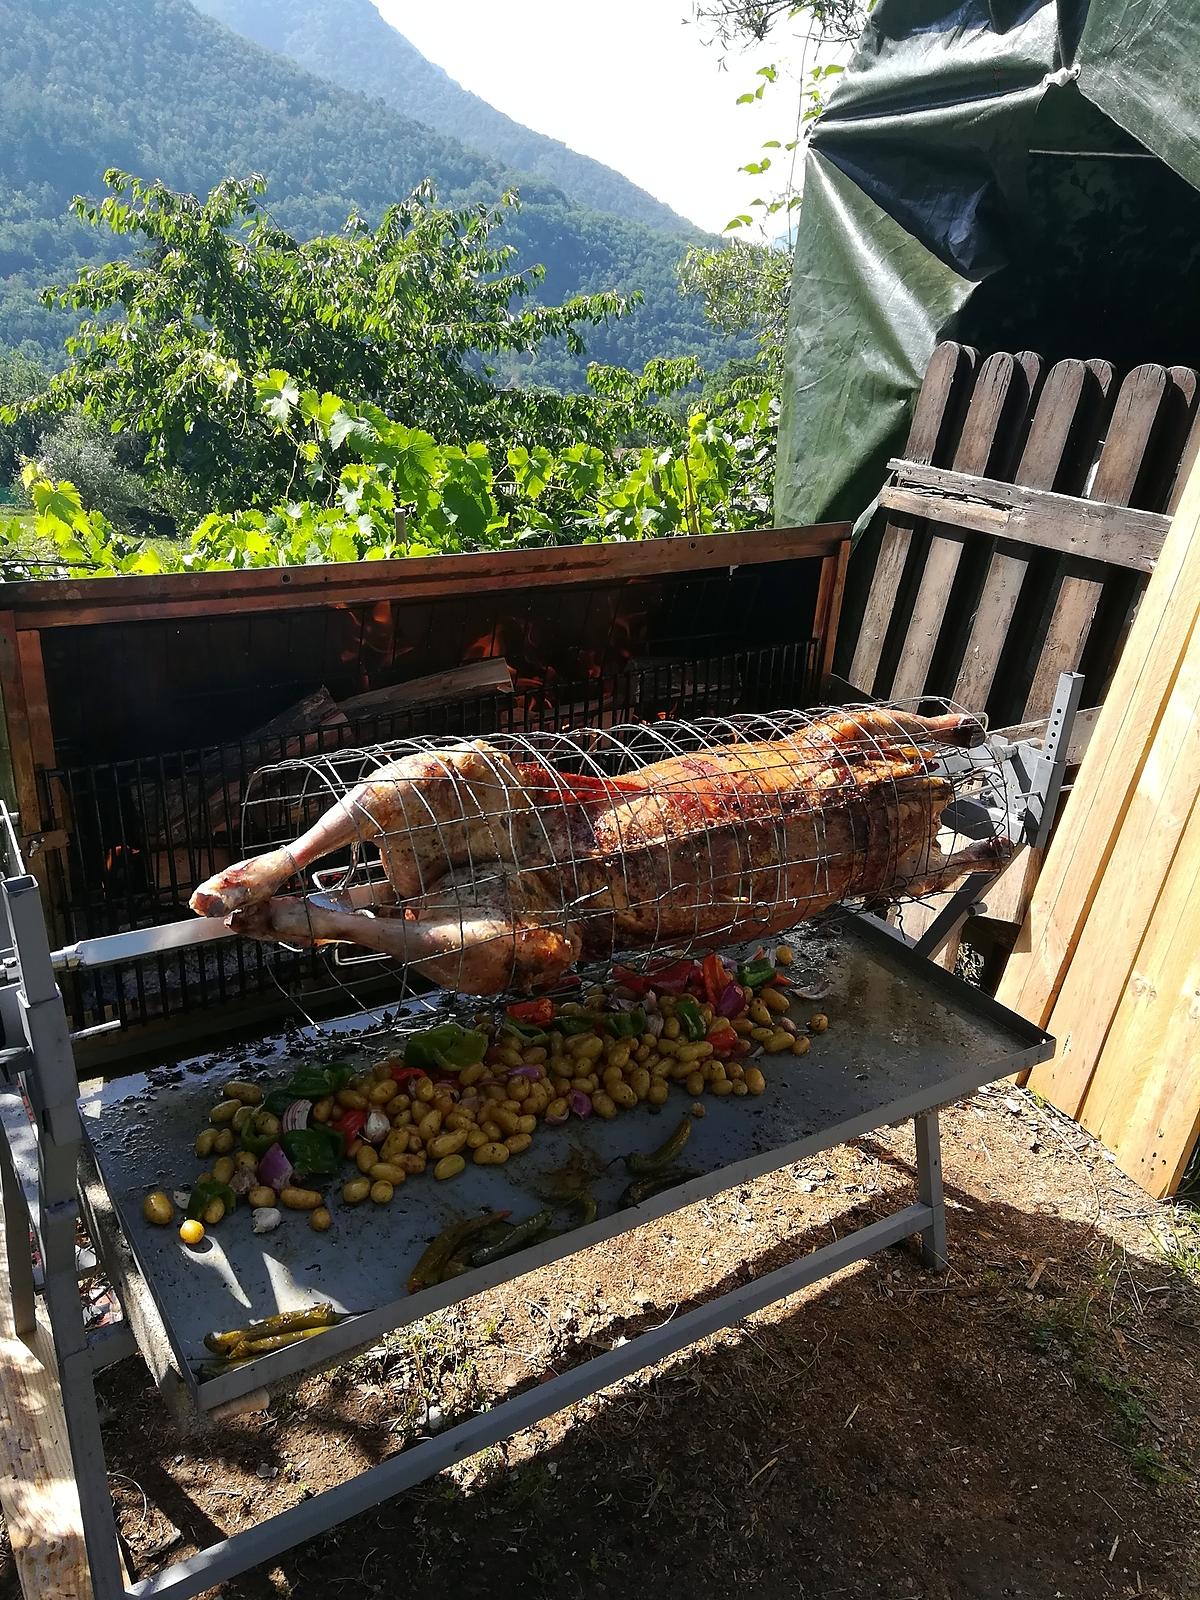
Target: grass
(1070,1331)
(1179,1242)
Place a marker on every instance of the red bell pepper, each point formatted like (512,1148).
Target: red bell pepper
(539,1012)
(401,1073)
(716,979)
(722,1037)
(350,1124)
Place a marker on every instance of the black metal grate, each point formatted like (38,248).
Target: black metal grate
(142,832)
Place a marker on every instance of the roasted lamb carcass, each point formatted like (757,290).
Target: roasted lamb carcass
(501,872)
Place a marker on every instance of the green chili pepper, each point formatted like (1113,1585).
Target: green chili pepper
(625,1024)
(524,1033)
(586,1210)
(207,1189)
(447,1048)
(753,974)
(643,1188)
(517,1237)
(460,1261)
(690,1019)
(581,1022)
(429,1268)
(316,1152)
(639,1166)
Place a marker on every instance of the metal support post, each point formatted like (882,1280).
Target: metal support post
(929,1187)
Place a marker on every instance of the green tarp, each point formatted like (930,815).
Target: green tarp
(1019,174)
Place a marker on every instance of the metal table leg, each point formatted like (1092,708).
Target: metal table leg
(929,1186)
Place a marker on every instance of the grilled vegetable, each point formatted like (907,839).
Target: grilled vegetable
(517,1237)
(157,1208)
(322,1316)
(204,1192)
(429,1268)
(264,1347)
(191,1231)
(640,1166)
(643,1188)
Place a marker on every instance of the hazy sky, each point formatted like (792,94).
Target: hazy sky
(622,80)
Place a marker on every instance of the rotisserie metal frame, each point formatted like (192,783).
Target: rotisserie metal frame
(908,1037)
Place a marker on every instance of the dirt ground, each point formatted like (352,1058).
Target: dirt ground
(1023,1426)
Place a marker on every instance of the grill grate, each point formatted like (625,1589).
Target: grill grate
(142,832)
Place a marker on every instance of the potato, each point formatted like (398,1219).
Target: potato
(415,1142)
(801,1046)
(784,955)
(639,1082)
(587,1047)
(356,1191)
(323,1109)
(447,1144)
(761,1035)
(658,1092)
(612,1075)
(754,1080)
(537,1100)
(449,1167)
(429,1125)
(721,1087)
(818,1023)
(694,1052)
(604,1105)
(225,1112)
(261,1195)
(248,1093)
(758,1013)
(366,1158)
(491,1154)
(266,1124)
(388,1172)
(224,1142)
(476,1138)
(411,1163)
(518,1142)
(471,1074)
(671,1028)
(191,1231)
(424,1089)
(213,1212)
(157,1208)
(535,1057)
(382,1192)
(242,1118)
(299,1199)
(380,1093)
(247,1159)
(320,1219)
(205,1142)
(623,1096)
(518,1089)
(352,1099)
(399,1103)
(740,1088)
(506,1121)
(694,1083)
(617,1055)
(460,1121)
(223,1169)
(491,1130)
(778,1043)
(775,1000)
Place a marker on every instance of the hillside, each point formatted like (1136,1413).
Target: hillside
(348,42)
(165,92)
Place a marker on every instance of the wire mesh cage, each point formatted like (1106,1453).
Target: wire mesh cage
(496,865)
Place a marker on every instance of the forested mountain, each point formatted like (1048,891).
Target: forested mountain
(348,42)
(154,87)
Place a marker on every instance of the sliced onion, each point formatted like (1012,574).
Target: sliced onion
(655,1023)
(296,1116)
(820,993)
(274,1168)
(580,1103)
(556,1122)
(732,1002)
(525,1070)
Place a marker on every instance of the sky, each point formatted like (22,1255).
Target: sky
(624,81)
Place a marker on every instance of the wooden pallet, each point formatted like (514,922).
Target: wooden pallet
(1016,538)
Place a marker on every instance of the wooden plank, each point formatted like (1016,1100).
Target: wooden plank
(828,608)
(75,602)
(950,369)
(16,716)
(491,675)
(1125,897)
(1118,471)
(1144,1099)
(1123,737)
(999,378)
(37,1484)
(1088,529)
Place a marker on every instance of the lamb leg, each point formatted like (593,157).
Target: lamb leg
(428,812)
(472,949)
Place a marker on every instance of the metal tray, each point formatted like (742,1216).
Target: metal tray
(904,1036)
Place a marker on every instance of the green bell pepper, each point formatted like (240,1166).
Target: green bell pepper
(753,974)
(315,1152)
(625,1024)
(447,1048)
(690,1019)
(581,1022)
(206,1190)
